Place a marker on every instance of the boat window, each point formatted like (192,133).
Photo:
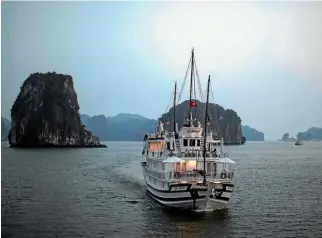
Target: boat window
(185,142)
(168,145)
(192,142)
(178,166)
(208,167)
(198,142)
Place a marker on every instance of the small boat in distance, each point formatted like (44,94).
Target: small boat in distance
(187,168)
(299,142)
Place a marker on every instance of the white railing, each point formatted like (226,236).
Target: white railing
(218,176)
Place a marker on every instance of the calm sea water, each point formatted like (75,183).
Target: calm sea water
(101,193)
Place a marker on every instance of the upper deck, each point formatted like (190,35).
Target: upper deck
(187,143)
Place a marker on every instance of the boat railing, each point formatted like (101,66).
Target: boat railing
(197,175)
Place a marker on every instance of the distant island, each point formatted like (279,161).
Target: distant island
(5,128)
(286,138)
(313,133)
(45,114)
(133,127)
(122,127)
(126,127)
(252,134)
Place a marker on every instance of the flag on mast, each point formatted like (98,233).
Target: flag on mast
(193,104)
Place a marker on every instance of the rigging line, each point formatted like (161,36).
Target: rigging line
(168,107)
(184,81)
(212,94)
(216,114)
(199,85)
(194,90)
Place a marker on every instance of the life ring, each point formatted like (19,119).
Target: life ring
(223,175)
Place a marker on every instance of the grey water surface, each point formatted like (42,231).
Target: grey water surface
(101,193)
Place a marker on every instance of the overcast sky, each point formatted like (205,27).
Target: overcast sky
(264,58)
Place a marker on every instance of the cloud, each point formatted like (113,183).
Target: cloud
(232,36)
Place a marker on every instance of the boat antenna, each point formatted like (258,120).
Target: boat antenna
(205,134)
(191,84)
(174,107)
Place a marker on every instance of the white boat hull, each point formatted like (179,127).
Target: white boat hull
(195,199)
(182,200)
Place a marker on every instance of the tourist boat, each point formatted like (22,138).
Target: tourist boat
(187,167)
(299,142)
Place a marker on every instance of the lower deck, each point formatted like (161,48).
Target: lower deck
(188,196)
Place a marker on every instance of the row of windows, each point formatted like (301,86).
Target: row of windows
(155,174)
(157,183)
(155,164)
(191,142)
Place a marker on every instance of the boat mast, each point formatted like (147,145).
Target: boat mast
(205,134)
(191,84)
(174,107)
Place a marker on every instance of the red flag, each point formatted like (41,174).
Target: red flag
(193,104)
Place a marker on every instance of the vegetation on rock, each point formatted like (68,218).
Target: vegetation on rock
(45,113)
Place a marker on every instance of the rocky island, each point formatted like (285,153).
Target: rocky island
(313,133)
(286,138)
(223,122)
(252,134)
(45,114)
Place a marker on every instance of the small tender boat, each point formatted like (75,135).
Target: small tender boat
(299,142)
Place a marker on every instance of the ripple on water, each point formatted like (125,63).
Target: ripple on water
(101,193)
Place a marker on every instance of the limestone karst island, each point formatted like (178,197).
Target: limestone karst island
(45,114)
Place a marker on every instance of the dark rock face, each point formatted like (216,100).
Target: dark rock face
(223,123)
(252,134)
(45,114)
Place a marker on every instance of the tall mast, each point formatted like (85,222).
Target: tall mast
(174,107)
(205,134)
(191,84)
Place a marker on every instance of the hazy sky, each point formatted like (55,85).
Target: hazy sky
(265,59)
